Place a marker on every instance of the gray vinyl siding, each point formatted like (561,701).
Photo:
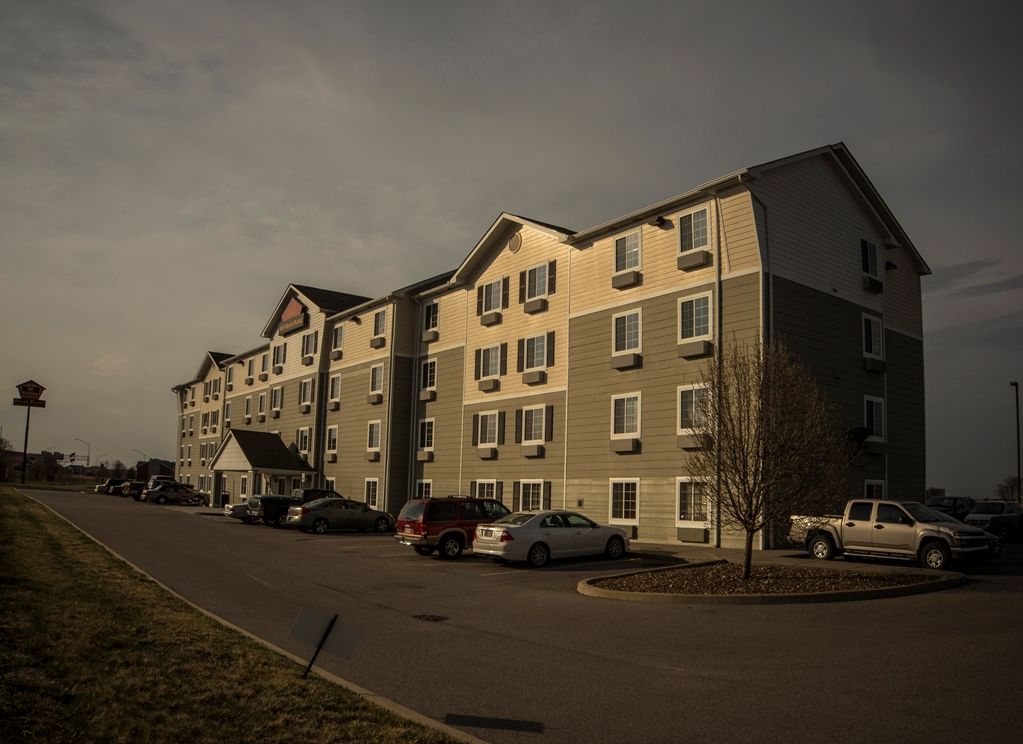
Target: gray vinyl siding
(394,493)
(352,468)
(446,411)
(906,448)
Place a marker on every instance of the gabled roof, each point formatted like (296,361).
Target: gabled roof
(484,247)
(209,359)
(263,451)
(325,300)
(240,357)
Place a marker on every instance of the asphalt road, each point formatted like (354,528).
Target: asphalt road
(521,657)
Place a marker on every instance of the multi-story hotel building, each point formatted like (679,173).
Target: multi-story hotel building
(561,368)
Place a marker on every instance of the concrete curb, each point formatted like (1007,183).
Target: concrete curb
(371,697)
(586,587)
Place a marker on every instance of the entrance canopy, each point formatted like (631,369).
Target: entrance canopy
(257,451)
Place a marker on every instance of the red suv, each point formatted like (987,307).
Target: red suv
(446,525)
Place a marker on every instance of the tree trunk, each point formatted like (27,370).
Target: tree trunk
(747,559)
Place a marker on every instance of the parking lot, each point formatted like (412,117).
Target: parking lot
(512,654)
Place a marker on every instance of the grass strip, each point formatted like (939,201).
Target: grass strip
(90,651)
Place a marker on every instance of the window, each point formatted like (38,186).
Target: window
(490,362)
(243,488)
(488,429)
(335,387)
(373,436)
(251,367)
(372,486)
(873,337)
(869,259)
(190,455)
(376,379)
(692,501)
(280,352)
(492,296)
(486,489)
(191,394)
(535,352)
(379,322)
(263,362)
(328,483)
(424,489)
(428,375)
(873,418)
(625,415)
(214,418)
(262,403)
(205,420)
(627,252)
(426,434)
(691,399)
(692,231)
(302,439)
(694,318)
(873,489)
(332,439)
(276,398)
(430,315)
(227,411)
(533,424)
(625,501)
(305,391)
(536,282)
(248,406)
(310,342)
(181,454)
(532,495)
(337,338)
(627,332)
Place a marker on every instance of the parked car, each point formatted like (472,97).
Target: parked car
(169,493)
(238,511)
(156,479)
(338,513)
(111,485)
(272,510)
(447,525)
(1006,527)
(133,489)
(537,537)
(954,506)
(984,510)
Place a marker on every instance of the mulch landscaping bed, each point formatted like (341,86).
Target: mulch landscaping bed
(726,578)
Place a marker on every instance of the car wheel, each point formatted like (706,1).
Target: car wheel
(538,555)
(934,555)
(450,546)
(320,526)
(247,520)
(821,548)
(382,525)
(161,499)
(615,548)
(422,550)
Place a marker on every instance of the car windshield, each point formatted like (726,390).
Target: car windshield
(921,513)
(516,518)
(412,510)
(991,508)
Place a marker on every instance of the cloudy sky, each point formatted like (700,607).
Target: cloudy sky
(166,168)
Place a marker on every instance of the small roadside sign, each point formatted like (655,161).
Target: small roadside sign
(30,402)
(326,632)
(31,390)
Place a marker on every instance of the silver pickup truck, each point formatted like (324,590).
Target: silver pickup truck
(891,529)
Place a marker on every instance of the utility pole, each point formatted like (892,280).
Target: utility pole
(1019,484)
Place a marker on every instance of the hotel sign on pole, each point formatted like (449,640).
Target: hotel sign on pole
(29,394)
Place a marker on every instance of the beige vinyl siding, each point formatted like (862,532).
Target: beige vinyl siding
(356,350)
(352,468)
(394,493)
(451,314)
(293,367)
(537,248)
(446,411)
(403,323)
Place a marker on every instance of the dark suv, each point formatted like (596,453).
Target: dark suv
(954,506)
(446,525)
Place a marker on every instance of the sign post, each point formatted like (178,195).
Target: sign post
(29,394)
(326,632)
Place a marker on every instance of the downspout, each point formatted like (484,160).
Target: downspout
(383,492)
(719,334)
(417,369)
(568,345)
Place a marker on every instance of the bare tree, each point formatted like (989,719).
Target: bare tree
(770,436)
(1008,489)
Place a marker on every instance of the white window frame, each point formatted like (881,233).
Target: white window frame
(610,501)
(678,407)
(531,280)
(424,489)
(430,426)
(869,484)
(709,335)
(276,397)
(227,411)
(868,401)
(376,386)
(431,362)
(261,404)
(328,483)
(639,415)
(479,428)
(264,362)
(540,340)
(376,492)
(639,252)
(251,368)
(335,388)
(309,343)
(490,483)
(189,455)
(332,430)
(497,295)
(679,522)
(431,316)
(542,409)
(380,433)
(638,349)
(229,375)
(873,319)
(337,337)
(709,243)
(380,322)
(304,432)
(280,353)
(522,494)
(305,391)
(496,353)
(248,406)
(878,258)
(243,485)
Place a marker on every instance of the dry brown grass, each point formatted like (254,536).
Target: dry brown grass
(92,651)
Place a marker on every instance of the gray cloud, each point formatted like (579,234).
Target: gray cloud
(950,275)
(1009,284)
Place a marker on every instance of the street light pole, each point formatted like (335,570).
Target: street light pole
(1019,484)
(88,452)
(144,456)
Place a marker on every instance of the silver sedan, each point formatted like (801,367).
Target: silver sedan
(326,514)
(536,537)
